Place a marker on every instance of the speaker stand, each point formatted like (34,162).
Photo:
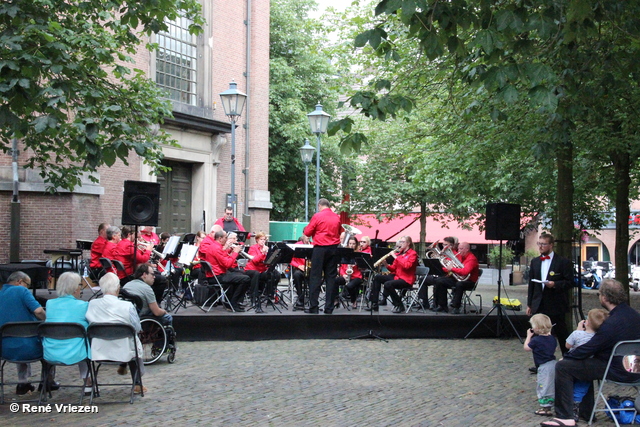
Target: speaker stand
(499,307)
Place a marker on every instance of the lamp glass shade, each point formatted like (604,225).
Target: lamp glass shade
(306,152)
(233,100)
(318,120)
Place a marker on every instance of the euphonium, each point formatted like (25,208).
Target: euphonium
(444,255)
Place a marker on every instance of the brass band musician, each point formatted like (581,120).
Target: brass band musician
(259,272)
(469,267)
(448,242)
(350,276)
(403,275)
(298,269)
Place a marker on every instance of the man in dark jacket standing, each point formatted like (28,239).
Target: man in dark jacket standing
(551,279)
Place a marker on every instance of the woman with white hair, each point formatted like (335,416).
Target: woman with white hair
(68,307)
(110,309)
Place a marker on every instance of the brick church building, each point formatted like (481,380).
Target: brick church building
(194,70)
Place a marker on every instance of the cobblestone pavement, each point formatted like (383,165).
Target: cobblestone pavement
(320,383)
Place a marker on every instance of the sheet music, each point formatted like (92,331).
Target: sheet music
(295,246)
(171,245)
(187,254)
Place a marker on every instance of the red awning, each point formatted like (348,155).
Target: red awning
(409,225)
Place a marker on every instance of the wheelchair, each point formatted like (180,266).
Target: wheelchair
(157,339)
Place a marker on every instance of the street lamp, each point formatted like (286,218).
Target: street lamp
(306,152)
(318,120)
(233,102)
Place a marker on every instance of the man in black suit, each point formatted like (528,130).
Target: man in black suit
(551,278)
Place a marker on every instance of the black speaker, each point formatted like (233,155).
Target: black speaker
(140,203)
(503,221)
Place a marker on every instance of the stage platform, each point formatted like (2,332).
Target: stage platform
(193,324)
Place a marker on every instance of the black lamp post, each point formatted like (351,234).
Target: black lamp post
(306,152)
(318,120)
(233,102)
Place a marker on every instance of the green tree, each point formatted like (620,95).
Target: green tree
(301,75)
(569,59)
(69,89)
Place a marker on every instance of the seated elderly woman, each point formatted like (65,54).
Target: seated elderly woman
(68,308)
(110,309)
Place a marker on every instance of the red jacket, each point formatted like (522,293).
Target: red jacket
(212,252)
(97,248)
(109,250)
(357,274)
(257,263)
(470,266)
(124,254)
(324,227)
(404,266)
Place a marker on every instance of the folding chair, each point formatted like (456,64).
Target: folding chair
(413,293)
(65,331)
(19,330)
(112,332)
(107,265)
(466,298)
(621,349)
(213,282)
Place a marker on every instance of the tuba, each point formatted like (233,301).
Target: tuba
(349,231)
(434,253)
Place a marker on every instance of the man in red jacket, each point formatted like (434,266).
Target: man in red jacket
(212,250)
(325,229)
(403,269)
(228,222)
(97,247)
(469,267)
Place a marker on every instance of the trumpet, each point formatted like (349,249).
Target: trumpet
(142,245)
(242,252)
(381,260)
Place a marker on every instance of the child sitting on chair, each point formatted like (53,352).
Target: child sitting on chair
(584,332)
(543,345)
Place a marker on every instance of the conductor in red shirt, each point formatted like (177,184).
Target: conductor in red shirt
(325,229)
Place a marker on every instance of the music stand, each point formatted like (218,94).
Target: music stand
(497,305)
(304,253)
(347,256)
(364,261)
(242,235)
(435,267)
(279,253)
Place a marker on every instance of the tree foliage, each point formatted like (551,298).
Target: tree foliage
(69,89)
(570,60)
(301,76)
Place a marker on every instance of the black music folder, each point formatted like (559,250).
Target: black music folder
(435,268)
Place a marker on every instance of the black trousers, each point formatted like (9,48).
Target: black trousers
(260,282)
(298,283)
(458,291)
(568,371)
(353,287)
(440,290)
(236,285)
(323,260)
(390,286)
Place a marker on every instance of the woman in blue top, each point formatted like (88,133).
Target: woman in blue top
(67,308)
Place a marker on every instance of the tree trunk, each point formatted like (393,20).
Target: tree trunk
(423,229)
(621,170)
(563,224)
